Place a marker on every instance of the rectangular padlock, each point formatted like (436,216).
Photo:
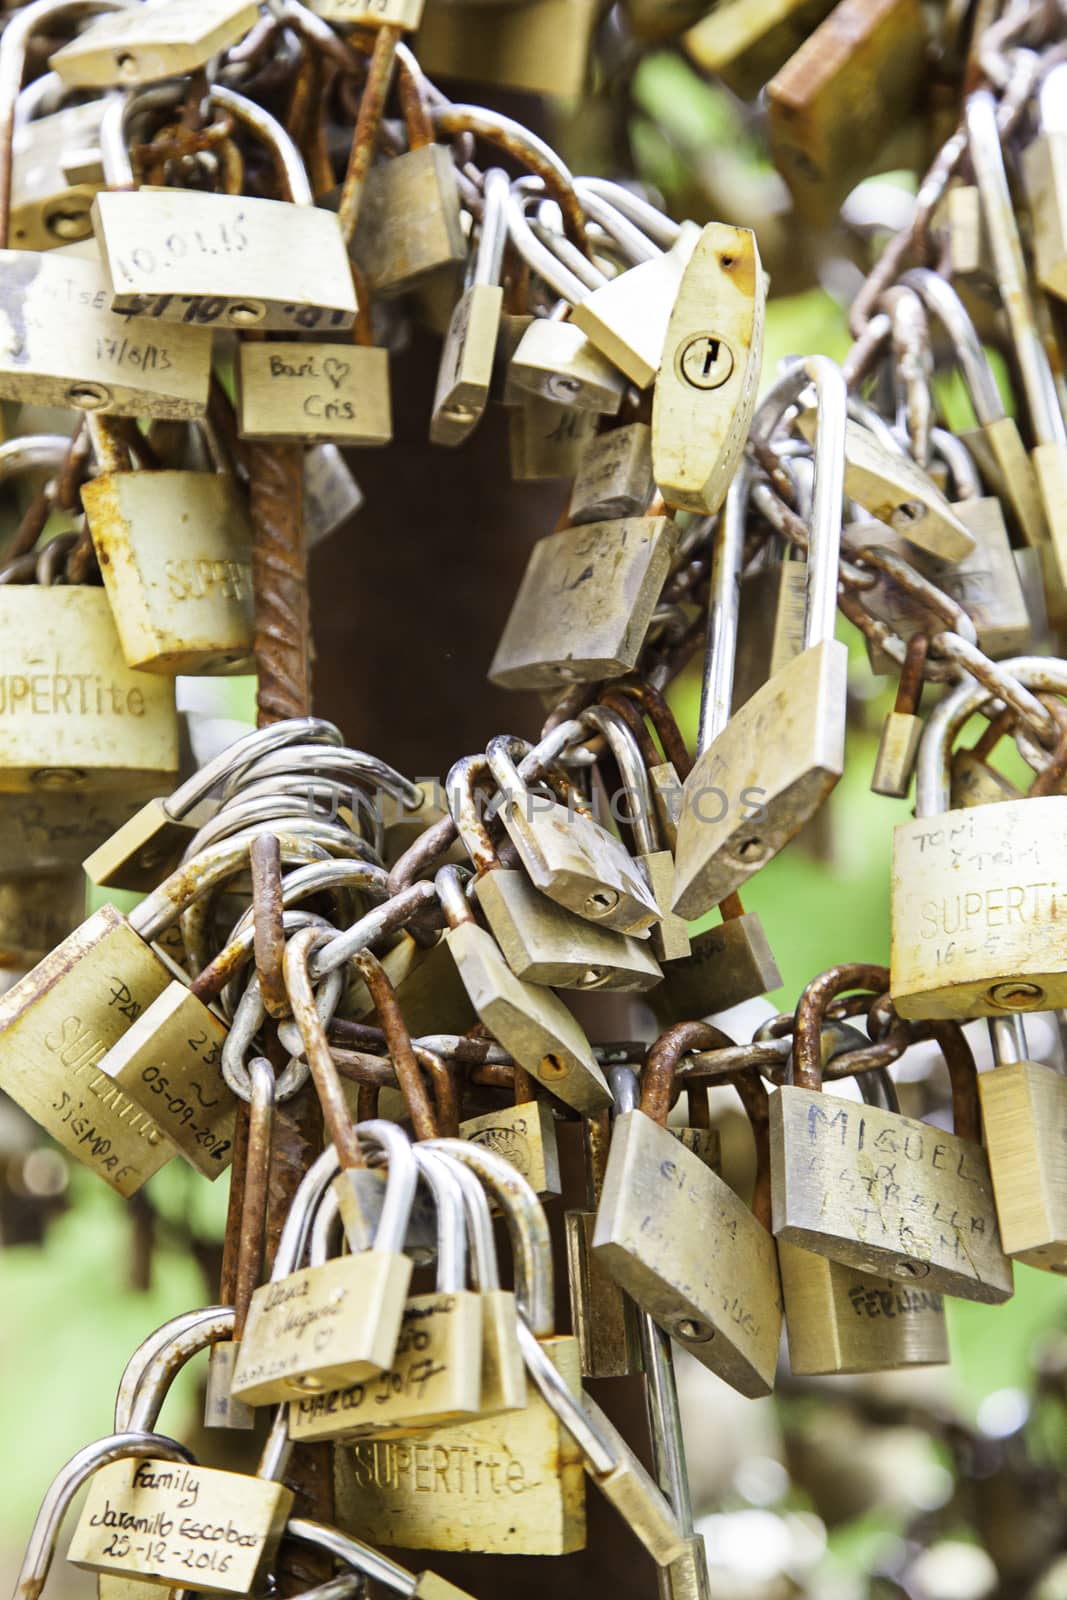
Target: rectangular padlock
(144,43)
(290,390)
(61,344)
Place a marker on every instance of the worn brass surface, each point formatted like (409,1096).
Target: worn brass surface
(56,1024)
(38,913)
(169,1061)
(1044,163)
(627,318)
(510,1485)
(841,1320)
(322,1327)
(164,1520)
(727,963)
(435,1377)
(885,1194)
(409,221)
(465,372)
(705,390)
(603,1317)
(541,46)
(1024,1117)
(140,45)
(222,260)
(302,390)
(614,476)
(545,440)
(765,775)
(559,362)
(531,1022)
(175,551)
(680,1242)
(72,713)
(523,1134)
(51,198)
(62,345)
(585,603)
(897,749)
(546,944)
(139,854)
(977,928)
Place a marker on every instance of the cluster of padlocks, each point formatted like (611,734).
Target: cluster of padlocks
(209,221)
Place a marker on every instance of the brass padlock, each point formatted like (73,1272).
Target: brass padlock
(1044,165)
(509,1485)
(705,392)
(975,896)
(882,1193)
(614,476)
(37,913)
(531,1022)
(175,552)
(546,440)
(841,1320)
(465,371)
(541,941)
(319,1328)
(436,1375)
(541,47)
(61,344)
(55,172)
(1024,1106)
(73,715)
(713,1288)
(727,963)
(603,1316)
(838,100)
(744,42)
(556,360)
(524,1133)
(898,747)
(302,391)
(409,218)
(585,603)
(567,854)
(781,755)
(169,39)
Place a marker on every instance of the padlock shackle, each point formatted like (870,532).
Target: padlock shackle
(966,479)
(631,240)
(354,1553)
(484,1262)
(933,765)
(1002,230)
(234,760)
(398,1043)
(44,1536)
(811,1012)
(824,544)
(340,1128)
(493,230)
(204,872)
(632,770)
(527,1225)
(438,1172)
(942,301)
(33,452)
(650,702)
(19,28)
(553,1388)
(665,1056)
(152,1368)
(652,222)
(461,786)
(524,146)
(724,599)
(393,914)
(316,759)
(146,1353)
(547,265)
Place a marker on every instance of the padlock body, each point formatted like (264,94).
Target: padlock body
(685,1248)
(50,205)
(841,1320)
(762,779)
(585,603)
(545,440)
(1024,1116)
(409,222)
(299,390)
(508,1485)
(170,1062)
(175,551)
(614,477)
(72,713)
(603,1317)
(322,1327)
(727,964)
(62,345)
(525,1135)
(227,261)
(544,943)
(160,1521)
(58,1022)
(134,46)
(885,1194)
(579,864)
(978,910)
(435,1377)
(531,1022)
(1045,171)
(37,913)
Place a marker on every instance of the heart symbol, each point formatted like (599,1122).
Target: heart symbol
(336,371)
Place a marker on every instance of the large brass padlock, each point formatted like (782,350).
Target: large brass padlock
(175,552)
(882,1193)
(61,344)
(73,715)
(976,892)
(1024,1115)
(55,172)
(511,1484)
(680,1241)
(841,1320)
